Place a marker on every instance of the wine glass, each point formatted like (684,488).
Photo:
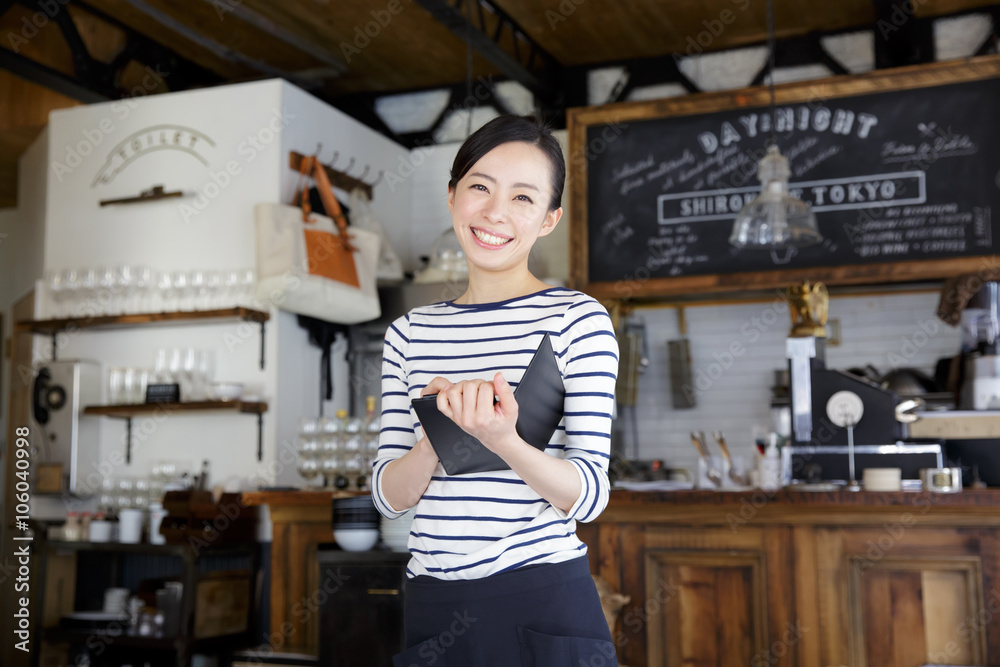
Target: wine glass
(116,381)
(144,281)
(125,287)
(180,282)
(57,290)
(204,371)
(213,287)
(230,288)
(165,286)
(196,284)
(248,282)
(107,285)
(190,384)
(88,293)
(71,292)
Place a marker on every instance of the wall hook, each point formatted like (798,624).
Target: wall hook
(381,174)
(350,164)
(364,173)
(333,160)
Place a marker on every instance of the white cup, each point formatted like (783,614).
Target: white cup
(130,522)
(156,516)
(883,479)
(100,531)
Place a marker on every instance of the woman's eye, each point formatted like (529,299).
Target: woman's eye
(525,198)
(479,186)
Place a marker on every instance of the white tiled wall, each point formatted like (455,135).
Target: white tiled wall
(734,392)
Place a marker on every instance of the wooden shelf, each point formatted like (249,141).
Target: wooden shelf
(137,409)
(129,411)
(53,327)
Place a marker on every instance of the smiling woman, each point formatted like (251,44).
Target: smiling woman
(499,548)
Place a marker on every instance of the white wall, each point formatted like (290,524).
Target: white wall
(245,134)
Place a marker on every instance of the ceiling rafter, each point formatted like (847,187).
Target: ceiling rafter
(542,82)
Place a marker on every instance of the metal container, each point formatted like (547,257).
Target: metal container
(942,480)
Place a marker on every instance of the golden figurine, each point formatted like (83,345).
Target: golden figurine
(808,307)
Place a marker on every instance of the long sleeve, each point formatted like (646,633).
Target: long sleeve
(591,362)
(397,436)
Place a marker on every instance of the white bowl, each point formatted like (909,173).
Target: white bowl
(361,539)
(227,391)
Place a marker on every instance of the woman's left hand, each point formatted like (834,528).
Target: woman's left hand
(470,404)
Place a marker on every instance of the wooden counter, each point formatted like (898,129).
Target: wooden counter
(301,520)
(802,578)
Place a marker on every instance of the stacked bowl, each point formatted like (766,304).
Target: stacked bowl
(355,523)
(396,532)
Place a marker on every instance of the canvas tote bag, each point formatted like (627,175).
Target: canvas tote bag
(313,264)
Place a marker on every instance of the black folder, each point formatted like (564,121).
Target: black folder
(539,394)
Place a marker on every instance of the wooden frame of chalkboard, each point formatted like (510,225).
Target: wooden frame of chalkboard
(901,166)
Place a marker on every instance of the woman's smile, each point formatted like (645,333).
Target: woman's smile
(488,239)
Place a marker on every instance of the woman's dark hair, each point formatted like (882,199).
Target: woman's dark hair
(504,130)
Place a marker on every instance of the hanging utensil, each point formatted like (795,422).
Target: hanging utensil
(713,475)
(679,358)
(720,439)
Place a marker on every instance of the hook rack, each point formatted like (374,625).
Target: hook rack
(338,178)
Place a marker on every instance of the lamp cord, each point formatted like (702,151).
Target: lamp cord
(770,65)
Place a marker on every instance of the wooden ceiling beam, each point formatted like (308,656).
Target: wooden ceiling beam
(54,80)
(335,65)
(219,50)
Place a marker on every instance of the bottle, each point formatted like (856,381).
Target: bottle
(341,481)
(71,529)
(770,466)
(85,527)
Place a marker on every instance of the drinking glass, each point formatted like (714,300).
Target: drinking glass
(142,381)
(107,287)
(144,281)
(230,288)
(116,385)
(57,291)
(88,293)
(124,498)
(71,278)
(165,286)
(196,284)
(108,494)
(176,367)
(129,382)
(125,288)
(140,494)
(213,286)
(205,371)
(189,384)
(181,287)
(248,282)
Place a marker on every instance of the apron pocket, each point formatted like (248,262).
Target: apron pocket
(542,650)
(427,652)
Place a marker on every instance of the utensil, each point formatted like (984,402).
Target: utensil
(737,478)
(713,475)
(679,358)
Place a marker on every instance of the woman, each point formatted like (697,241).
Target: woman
(497,575)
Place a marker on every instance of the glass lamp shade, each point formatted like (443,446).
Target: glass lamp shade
(774,219)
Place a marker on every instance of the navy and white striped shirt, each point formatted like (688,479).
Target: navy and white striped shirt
(474,525)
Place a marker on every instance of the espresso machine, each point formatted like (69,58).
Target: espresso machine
(841,423)
(980,338)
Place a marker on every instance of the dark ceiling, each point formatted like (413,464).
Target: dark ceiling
(351,52)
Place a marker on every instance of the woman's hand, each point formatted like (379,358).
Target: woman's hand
(471,405)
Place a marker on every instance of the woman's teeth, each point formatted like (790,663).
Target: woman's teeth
(489,238)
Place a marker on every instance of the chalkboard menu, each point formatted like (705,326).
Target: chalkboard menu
(904,178)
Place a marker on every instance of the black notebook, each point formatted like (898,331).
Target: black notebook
(539,394)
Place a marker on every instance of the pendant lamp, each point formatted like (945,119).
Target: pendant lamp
(774,219)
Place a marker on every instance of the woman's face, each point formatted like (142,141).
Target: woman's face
(501,206)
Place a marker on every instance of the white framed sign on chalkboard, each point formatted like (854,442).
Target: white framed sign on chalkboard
(902,168)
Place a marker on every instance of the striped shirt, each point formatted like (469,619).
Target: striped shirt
(477,524)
